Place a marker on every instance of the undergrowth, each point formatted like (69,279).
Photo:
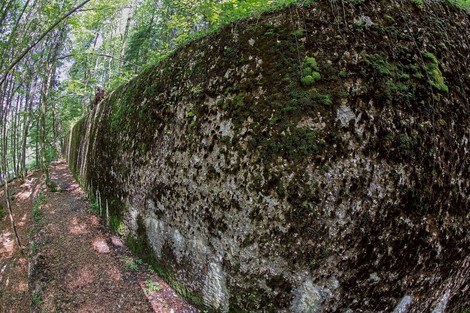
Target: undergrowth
(36,210)
(465,4)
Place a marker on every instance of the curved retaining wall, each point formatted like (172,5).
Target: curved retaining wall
(309,160)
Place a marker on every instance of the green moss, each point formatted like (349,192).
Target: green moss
(311,62)
(306,71)
(435,78)
(36,210)
(190,114)
(389,18)
(225,139)
(298,33)
(310,71)
(270,33)
(430,57)
(197,90)
(316,76)
(407,144)
(300,142)
(379,64)
(117,225)
(400,81)
(143,148)
(94,205)
(184,292)
(311,79)
(327,100)
(239,99)
(223,104)
(307,80)
(437,81)
(118,115)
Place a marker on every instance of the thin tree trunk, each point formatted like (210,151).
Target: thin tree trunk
(14,133)
(4,169)
(124,38)
(13,33)
(12,219)
(17,60)
(42,131)
(25,136)
(5,11)
(27,106)
(37,154)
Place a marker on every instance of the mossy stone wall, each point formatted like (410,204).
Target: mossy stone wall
(256,189)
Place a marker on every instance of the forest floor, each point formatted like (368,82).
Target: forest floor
(14,291)
(75,264)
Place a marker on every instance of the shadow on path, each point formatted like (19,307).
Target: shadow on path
(80,266)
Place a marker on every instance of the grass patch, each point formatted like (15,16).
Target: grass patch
(131,263)
(150,286)
(36,210)
(94,206)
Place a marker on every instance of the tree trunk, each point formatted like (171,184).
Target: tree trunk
(14,133)
(43,112)
(124,38)
(28,106)
(4,168)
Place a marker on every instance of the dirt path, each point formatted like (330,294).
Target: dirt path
(76,264)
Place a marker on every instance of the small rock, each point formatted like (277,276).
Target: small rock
(117,242)
(100,245)
(363,21)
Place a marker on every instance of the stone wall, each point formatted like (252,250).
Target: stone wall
(313,159)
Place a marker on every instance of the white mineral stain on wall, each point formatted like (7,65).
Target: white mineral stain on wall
(178,245)
(441,307)
(344,115)
(226,128)
(404,305)
(155,234)
(215,290)
(307,298)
